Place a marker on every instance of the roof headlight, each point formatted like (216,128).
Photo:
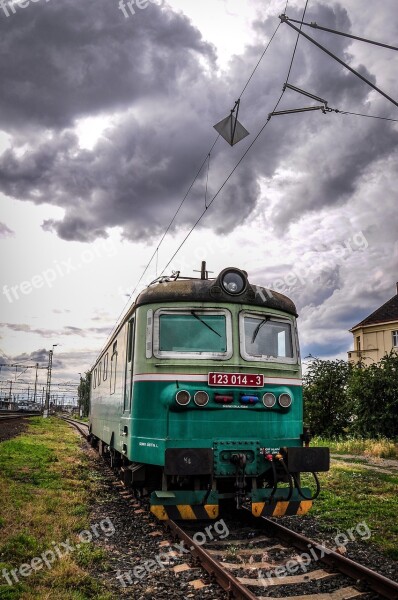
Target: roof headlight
(233,282)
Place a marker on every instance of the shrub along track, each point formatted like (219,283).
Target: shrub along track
(259,559)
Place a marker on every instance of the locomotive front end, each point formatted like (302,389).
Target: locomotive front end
(224,358)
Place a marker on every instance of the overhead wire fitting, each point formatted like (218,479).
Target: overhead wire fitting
(230,128)
(342,33)
(247,149)
(285,19)
(324,108)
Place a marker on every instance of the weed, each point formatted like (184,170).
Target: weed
(381,448)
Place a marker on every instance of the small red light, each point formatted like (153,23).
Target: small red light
(223,399)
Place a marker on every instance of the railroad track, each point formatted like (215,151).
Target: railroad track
(263,558)
(79,425)
(267,556)
(9,416)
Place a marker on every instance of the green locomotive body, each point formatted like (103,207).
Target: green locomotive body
(197,398)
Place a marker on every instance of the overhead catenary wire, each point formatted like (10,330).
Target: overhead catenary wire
(155,253)
(259,61)
(285,19)
(207,180)
(174,217)
(244,154)
(220,189)
(346,112)
(344,34)
(247,149)
(297,41)
(199,171)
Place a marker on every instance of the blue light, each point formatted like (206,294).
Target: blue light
(249,399)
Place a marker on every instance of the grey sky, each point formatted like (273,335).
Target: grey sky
(156,84)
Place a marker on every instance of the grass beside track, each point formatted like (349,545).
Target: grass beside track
(352,495)
(45,488)
(381,448)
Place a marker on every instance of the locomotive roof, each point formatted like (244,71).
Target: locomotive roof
(185,289)
(208,290)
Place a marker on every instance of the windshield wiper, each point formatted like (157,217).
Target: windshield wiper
(263,322)
(193,313)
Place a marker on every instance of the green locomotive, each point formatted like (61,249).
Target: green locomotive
(197,398)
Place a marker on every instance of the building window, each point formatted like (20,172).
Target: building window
(358,345)
(395,339)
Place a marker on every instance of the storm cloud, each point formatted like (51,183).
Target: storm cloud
(154,77)
(309,182)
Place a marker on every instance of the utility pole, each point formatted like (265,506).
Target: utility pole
(79,395)
(48,389)
(35,392)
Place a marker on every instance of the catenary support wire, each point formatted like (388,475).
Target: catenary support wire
(246,151)
(285,19)
(342,33)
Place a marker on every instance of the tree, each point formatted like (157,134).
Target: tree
(83,392)
(373,391)
(327,409)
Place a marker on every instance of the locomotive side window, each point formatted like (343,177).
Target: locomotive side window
(193,333)
(113,368)
(129,366)
(266,338)
(106,358)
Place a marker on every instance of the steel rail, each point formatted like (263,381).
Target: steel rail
(78,425)
(4,417)
(376,582)
(361,574)
(224,578)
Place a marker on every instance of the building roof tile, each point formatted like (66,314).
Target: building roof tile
(386,313)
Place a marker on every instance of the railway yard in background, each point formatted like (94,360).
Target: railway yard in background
(71,530)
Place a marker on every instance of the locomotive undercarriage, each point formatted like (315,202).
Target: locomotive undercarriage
(194,481)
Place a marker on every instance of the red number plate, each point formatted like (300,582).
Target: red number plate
(236,379)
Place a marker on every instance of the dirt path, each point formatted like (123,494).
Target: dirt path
(382,465)
(10,429)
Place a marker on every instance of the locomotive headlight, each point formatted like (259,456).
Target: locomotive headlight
(183,397)
(269,400)
(201,398)
(233,282)
(285,400)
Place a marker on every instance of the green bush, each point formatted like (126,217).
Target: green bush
(341,399)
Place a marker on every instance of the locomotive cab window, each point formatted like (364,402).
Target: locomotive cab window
(192,333)
(267,338)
